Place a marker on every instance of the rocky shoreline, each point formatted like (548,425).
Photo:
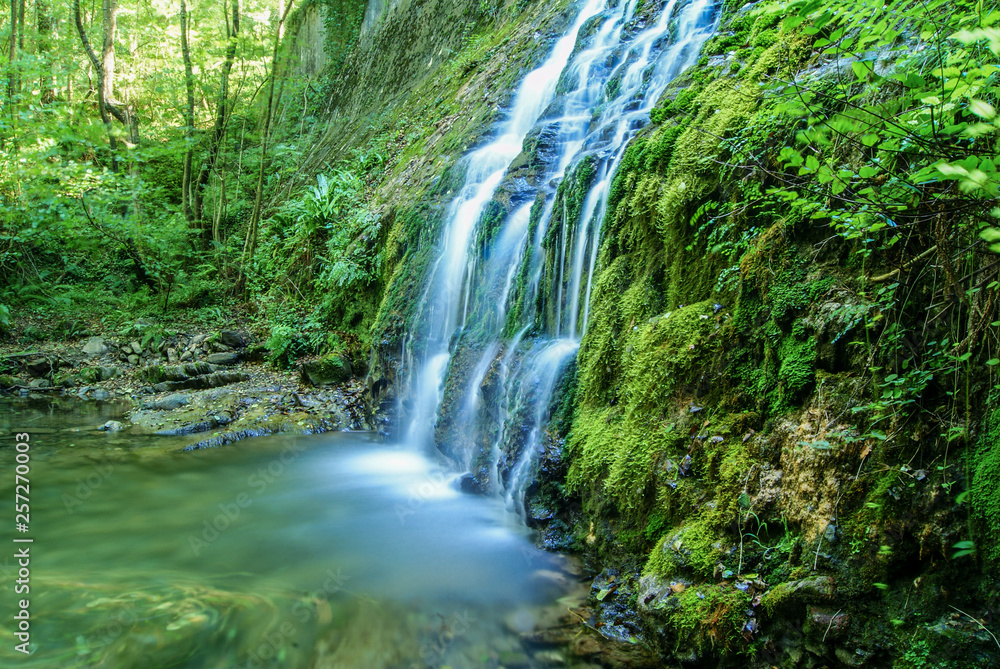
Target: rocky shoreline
(212,387)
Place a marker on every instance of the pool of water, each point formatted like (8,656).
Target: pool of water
(332,550)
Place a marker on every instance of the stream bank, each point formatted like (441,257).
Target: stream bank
(212,388)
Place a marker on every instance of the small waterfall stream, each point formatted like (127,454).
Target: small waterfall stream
(504,309)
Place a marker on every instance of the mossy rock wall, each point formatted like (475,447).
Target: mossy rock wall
(740,429)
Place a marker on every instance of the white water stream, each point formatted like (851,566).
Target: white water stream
(589,97)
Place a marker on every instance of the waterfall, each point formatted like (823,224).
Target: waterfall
(480,396)
(439,309)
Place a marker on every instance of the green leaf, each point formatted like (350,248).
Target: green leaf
(862,69)
(982,109)
(964,548)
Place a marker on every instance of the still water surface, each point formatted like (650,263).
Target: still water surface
(330,550)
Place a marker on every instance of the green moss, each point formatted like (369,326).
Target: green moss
(328,370)
(64,379)
(986,491)
(618,445)
(797,370)
(89,375)
(667,351)
(693,549)
(710,616)
(152,374)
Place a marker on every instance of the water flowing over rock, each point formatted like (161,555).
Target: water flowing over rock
(507,297)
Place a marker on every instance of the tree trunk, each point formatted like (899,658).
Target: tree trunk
(12,74)
(102,100)
(105,68)
(110,30)
(20,26)
(43,27)
(221,113)
(250,246)
(186,190)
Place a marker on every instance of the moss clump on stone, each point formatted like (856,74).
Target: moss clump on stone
(328,370)
(152,374)
(616,441)
(89,375)
(986,491)
(710,615)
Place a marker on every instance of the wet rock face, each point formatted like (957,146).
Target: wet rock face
(468,483)
(617,618)
(541,148)
(546,508)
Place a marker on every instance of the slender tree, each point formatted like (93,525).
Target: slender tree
(109,14)
(20,26)
(221,113)
(105,68)
(12,72)
(250,245)
(186,193)
(43,26)
(102,98)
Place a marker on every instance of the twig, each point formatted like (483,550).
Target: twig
(978,622)
(889,275)
(830,625)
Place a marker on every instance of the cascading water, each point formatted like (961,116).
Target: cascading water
(498,323)
(442,305)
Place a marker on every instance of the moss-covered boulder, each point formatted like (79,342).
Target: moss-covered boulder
(327,371)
